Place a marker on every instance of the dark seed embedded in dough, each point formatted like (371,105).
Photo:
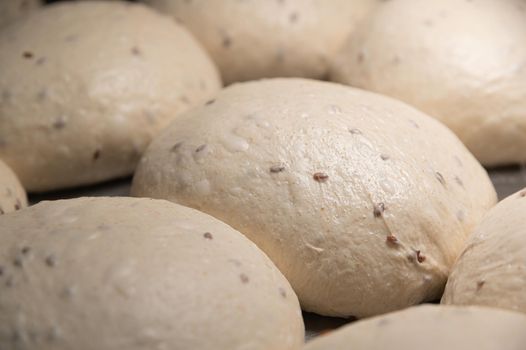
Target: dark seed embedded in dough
(59,123)
(523,193)
(136,51)
(391,239)
(176,147)
(277,169)
(96,154)
(208,235)
(200,148)
(25,250)
(1,270)
(480,284)
(209,102)
(51,260)
(420,257)
(28,55)
(378,210)
(355,131)
(282,292)
(320,177)
(244,278)
(384,157)
(440,178)
(18,261)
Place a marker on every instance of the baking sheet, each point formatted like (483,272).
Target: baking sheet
(507,180)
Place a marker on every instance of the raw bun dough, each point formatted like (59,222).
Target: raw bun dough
(85,86)
(268,38)
(363,202)
(463,62)
(431,327)
(12,194)
(492,269)
(135,274)
(11,10)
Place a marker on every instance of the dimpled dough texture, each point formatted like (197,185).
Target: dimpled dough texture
(492,269)
(363,202)
(85,86)
(11,10)
(269,38)
(463,62)
(431,327)
(12,195)
(135,274)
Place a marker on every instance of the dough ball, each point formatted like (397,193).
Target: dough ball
(135,274)
(269,38)
(12,194)
(492,269)
(11,10)
(85,86)
(363,202)
(463,62)
(431,327)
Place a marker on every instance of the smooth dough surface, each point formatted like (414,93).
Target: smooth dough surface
(269,38)
(492,269)
(463,62)
(135,274)
(85,86)
(431,327)
(12,194)
(11,10)
(363,202)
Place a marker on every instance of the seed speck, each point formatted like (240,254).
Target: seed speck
(420,257)
(355,132)
(200,148)
(28,54)
(277,169)
(282,292)
(208,235)
(209,102)
(320,177)
(384,157)
(244,278)
(176,147)
(392,239)
(480,284)
(378,210)
(51,260)
(440,178)
(96,154)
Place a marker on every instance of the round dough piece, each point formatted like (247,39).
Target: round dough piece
(11,10)
(431,327)
(492,269)
(12,194)
(463,62)
(256,39)
(363,202)
(124,273)
(85,86)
